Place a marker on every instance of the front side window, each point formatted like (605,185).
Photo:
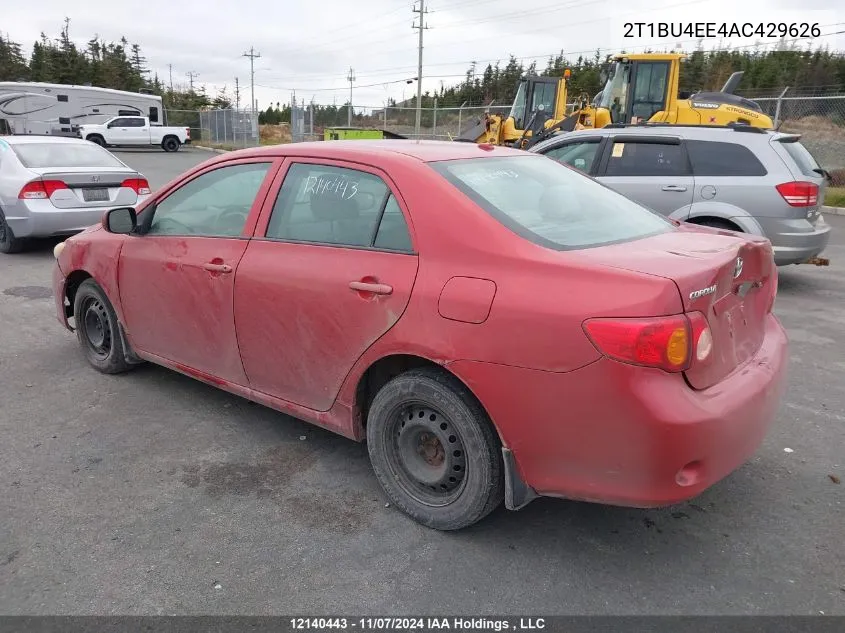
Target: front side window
(549,204)
(647,159)
(324,204)
(544,95)
(577,155)
(216,203)
(518,108)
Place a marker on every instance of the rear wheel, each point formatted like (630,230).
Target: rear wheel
(96,138)
(170,144)
(8,242)
(97,329)
(434,450)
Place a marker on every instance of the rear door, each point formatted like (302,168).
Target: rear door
(652,170)
(329,271)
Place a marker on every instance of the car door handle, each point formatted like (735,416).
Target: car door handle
(376,289)
(217,268)
(674,188)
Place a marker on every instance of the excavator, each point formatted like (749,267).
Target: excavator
(639,88)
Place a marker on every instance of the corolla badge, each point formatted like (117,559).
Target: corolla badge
(700,293)
(738,267)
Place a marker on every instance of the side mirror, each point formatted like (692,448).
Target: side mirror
(121,221)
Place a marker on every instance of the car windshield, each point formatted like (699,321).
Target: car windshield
(549,203)
(64,155)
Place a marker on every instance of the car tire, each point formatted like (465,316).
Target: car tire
(434,450)
(8,242)
(170,144)
(97,139)
(98,329)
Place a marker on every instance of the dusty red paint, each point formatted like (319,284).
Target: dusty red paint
(286,329)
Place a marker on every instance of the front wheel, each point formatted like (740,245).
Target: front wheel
(434,450)
(98,330)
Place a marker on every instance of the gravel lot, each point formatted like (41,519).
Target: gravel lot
(150,493)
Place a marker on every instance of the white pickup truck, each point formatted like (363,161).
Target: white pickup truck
(135,130)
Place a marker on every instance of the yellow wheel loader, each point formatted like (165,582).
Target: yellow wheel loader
(639,89)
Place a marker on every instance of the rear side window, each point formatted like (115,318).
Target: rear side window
(61,155)
(647,159)
(153,115)
(549,204)
(713,158)
(803,158)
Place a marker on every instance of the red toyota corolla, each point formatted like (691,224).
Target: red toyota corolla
(496,325)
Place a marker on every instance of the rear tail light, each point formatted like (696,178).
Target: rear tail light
(40,189)
(138,185)
(799,194)
(187,132)
(668,343)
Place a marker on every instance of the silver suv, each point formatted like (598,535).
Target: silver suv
(739,178)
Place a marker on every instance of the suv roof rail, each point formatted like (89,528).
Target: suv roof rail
(737,127)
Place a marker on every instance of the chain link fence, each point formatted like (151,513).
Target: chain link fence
(819,119)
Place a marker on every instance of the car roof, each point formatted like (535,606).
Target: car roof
(685,131)
(24,139)
(422,150)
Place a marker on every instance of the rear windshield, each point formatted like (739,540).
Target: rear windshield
(802,157)
(549,203)
(61,155)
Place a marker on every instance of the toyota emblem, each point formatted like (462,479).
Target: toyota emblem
(738,267)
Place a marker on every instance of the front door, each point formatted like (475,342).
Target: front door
(176,277)
(653,171)
(329,275)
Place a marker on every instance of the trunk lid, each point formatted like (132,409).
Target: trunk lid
(729,278)
(89,188)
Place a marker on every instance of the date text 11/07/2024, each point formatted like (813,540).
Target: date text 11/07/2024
(465,625)
(721,29)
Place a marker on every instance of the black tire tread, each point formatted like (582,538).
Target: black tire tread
(11,245)
(116,361)
(459,401)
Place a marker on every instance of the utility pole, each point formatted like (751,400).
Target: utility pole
(252,56)
(237,95)
(191,76)
(350,78)
(170,67)
(421,26)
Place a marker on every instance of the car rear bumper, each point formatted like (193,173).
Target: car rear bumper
(795,241)
(625,435)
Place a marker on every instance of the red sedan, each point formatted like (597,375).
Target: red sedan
(494,324)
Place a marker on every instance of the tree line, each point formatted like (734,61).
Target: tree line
(121,65)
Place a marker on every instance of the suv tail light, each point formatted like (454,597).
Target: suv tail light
(187,132)
(799,193)
(40,189)
(668,343)
(139,185)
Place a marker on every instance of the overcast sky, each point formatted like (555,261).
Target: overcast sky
(309,46)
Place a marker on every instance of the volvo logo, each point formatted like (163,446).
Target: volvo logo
(738,267)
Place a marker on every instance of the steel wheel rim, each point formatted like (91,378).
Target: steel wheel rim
(426,454)
(96,328)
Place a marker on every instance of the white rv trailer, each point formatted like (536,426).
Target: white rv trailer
(57,109)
